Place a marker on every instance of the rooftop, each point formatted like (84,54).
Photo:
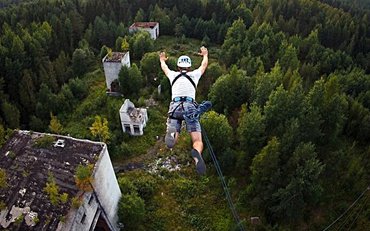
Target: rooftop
(136,115)
(144,24)
(28,163)
(116,57)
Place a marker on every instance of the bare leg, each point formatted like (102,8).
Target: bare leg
(171,134)
(196,138)
(196,152)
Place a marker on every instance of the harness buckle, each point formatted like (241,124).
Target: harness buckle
(183,99)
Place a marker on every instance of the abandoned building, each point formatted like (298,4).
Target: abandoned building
(151,27)
(112,64)
(32,162)
(133,119)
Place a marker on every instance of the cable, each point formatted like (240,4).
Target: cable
(358,198)
(224,185)
(359,212)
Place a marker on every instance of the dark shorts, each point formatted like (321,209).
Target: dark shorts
(176,116)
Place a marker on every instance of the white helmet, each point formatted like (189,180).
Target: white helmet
(184,61)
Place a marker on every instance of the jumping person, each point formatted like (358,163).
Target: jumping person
(183,105)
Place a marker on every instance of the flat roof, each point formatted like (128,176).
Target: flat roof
(144,24)
(28,166)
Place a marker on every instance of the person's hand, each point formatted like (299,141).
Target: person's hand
(203,51)
(162,56)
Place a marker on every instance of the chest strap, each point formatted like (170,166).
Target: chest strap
(186,76)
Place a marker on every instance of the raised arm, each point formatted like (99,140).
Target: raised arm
(163,59)
(204,64)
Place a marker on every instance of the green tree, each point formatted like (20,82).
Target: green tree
(125,46)
(140,16)
(231,48)
(303,185)
(131,80)
(160,15)
(140,43)
(288,57)
(101,32)
(11,114)
(2,135)
(266,176)
(218,130)
(265,83)
(150,68)
(55,126)
(27,92)
(82,61)
(79,88)
(214,71)
(281,107)
(52,189)
(358,123)
(100,129)
(230,91)
(62,68)
(331,105)
(251,131)
(131,211)
(83,177)
(220,135)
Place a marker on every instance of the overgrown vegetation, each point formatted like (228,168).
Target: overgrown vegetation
(3,179)
(44,141)
(83,177)
(289,81)
(52,189)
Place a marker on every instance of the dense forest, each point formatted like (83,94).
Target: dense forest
(289,81)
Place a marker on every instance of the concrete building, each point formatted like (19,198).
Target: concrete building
(133,119)
(112,65)
(31,159)
(151,27)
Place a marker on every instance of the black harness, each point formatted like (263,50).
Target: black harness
(186,76)
(182,99)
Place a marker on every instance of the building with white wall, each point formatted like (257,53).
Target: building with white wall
(31,159)
(133,119)
(112,64)
(151,27)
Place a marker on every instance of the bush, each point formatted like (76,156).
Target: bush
(131,211)
(44,142)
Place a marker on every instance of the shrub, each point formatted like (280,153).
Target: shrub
(83,177)
(44,141)
(76,202)
(131,211)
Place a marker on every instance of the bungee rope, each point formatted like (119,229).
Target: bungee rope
(224,185)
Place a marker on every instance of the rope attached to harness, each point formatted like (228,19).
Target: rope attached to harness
(224,185)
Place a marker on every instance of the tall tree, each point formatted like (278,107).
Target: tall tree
(251,131)
(11,114)
(131,80)
(302,186)
(150,68)
(140,43)
(230,91)
(266,176)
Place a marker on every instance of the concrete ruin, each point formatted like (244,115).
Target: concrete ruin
(151,27)
(112,64)
(30,159)
(133,119)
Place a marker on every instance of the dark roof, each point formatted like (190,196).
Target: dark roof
(27,169)
(116,57)
(144,24)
